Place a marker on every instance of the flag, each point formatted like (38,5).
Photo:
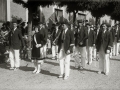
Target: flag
(52,17)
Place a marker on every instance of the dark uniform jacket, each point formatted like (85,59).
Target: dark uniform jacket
(105,39)
(91,38)
(15,39)
(68,41)
(81,36)
(116,34)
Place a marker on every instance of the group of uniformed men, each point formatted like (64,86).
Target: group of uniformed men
(83,40)
(88,42)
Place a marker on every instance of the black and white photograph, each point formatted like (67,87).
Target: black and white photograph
(59,44)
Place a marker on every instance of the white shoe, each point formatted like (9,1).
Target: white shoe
(35,71)
(38,72)
(17,68)
(53,58)
(66,77)
(61,76)
(106,74)
(11,68)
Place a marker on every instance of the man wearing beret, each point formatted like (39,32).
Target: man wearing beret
(15,42)
(65,47)
(80,43)
(103,45)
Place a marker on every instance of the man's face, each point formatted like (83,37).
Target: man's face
(80,24)
(109,28)
(14,25)
(36,29)
(88,27)
(40,25)
(64,26)
(98,26)
(104,27)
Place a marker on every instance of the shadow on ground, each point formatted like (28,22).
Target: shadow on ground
(48,73)
(115,59)
(4,66)
(45,72)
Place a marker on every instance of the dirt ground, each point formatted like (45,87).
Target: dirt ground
(87,79)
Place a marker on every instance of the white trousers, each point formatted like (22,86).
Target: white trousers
(64,62)
(104,62)
(54,50)
(82,51)
(14,57)
(116,47)
(94,53)
(44,50)
(89,53)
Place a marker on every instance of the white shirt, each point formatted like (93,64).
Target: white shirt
(15,28)
(66,30)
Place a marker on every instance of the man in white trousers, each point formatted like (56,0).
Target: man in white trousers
(15,42)
(103,45)
(65,47)
(97,30)
(55,36)
(90,43)
(116,42)
(80,43)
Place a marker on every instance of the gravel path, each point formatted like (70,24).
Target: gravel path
(88,79)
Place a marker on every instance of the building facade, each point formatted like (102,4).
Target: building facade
(10,10)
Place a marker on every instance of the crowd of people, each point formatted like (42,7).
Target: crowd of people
(63,40)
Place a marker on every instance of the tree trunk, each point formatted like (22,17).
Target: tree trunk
(74,17)
(30,14)
(97,21)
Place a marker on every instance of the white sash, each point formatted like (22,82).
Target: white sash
(35,39)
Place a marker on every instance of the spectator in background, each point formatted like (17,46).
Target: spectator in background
(80,43)
(90,43)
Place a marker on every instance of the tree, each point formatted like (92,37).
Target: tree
(116,13)
(75,6)
(32,6)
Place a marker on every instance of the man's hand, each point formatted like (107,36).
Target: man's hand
(108,51)
(68,51)
(81,43)
(38,45)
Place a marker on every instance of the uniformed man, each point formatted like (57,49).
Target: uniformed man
(55,36)
(104,44)
(90,43)
(15,41)
(80,43)
(65,47)
(43,34)
(116,42)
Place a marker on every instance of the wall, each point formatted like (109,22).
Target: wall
(17,10)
